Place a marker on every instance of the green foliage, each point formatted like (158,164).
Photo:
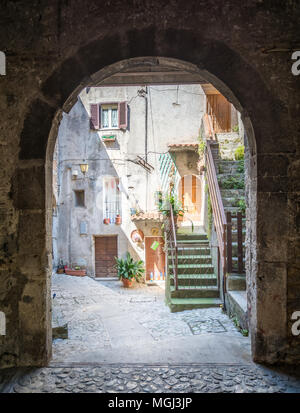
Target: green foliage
(241,166)
(243,331)
(129,269)
(239,153)
(176,205)
(241,204)
(235,128)
(232,183)
(201,148)
(201,145)
(158,199)
(220,169)
(209,213)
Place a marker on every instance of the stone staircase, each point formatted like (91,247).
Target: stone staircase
(197,281)
(230,176)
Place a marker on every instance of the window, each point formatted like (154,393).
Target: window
(112,198)
(109,116)
(79,198)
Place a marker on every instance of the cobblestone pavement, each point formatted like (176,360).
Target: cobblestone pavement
(153,379)
(102,316)
(108,322)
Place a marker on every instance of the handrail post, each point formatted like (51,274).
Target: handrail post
(240,242)
(175,265)
(229,242)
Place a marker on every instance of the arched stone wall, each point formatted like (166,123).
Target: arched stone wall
(48,81)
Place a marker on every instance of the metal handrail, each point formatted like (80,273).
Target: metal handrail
(175,267)
(217,205)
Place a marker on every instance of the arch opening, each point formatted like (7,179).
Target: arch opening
(192,75)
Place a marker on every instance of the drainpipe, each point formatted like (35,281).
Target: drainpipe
(146,124)
(146,141)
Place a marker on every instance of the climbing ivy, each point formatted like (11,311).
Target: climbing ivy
(232,182)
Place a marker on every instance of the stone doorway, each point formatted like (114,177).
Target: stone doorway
(275,341)
(193,188)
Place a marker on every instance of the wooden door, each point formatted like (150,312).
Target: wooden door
(106,249)
(155,257)
(220,110)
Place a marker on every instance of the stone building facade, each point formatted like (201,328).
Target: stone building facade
(115,183)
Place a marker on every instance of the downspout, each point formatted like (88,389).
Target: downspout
(146,142)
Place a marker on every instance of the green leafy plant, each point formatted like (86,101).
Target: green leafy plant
(201,147)
(129,269)
(235,128)
(171,200)
(241,204)
(239,153)
(232,183)
(241,166)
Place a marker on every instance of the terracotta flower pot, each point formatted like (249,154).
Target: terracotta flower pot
(127,283)
(118,220)
(106,221)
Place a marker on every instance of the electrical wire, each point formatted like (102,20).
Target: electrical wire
(174,90)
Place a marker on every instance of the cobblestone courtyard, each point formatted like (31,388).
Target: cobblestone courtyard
(126,340)
(109,323)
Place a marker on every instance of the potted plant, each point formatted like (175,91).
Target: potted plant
(171,201)
(129,270)
(106,221)
(118,219)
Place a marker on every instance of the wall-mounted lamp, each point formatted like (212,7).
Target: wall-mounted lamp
(84,168)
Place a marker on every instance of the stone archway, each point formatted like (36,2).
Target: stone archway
(121,66)
(58,94)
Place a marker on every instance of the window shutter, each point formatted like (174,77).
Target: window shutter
(95,116)
(122,115)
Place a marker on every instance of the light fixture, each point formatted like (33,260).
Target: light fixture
(84,168)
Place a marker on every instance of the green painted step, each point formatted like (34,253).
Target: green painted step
(192,241)
(190,259)
(191,237)
(195,292)
(191,250)
(181,304)
(194,268)
(193,280)
(193,257)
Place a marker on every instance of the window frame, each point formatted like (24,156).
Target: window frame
(76,191)
(114,105)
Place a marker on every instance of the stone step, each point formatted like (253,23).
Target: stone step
(195,242)
(230,201)
(195,280)
(228,167)
(194,268)
(195,292)
(192,259)
(236,282)
(181,304)
(187,237)
(233,193)
(191,250)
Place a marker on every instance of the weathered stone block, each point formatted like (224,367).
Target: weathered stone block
(29,187)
